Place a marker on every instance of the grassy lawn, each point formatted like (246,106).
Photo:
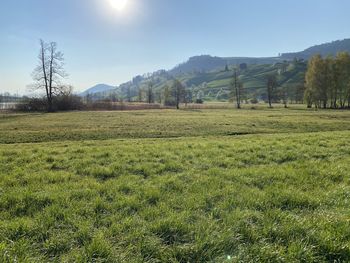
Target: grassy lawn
(28,128)
(175,186)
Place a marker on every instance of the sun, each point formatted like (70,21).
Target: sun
(118,4)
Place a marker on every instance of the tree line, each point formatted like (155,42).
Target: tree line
(172,94)
(327,82)
(277,89)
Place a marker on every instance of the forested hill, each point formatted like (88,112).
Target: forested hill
(97,89)
(207,63)
(215,85)
(326,49)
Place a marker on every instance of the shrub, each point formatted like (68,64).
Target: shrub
(254,101)
(60,103)
(68,102)
(32,104)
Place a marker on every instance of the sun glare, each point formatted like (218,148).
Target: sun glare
(118,4)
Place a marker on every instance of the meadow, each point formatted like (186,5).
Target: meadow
(103,125)
(266,185)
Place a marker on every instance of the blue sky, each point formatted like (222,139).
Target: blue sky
(104,45)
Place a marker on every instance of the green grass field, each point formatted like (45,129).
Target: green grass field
(175,186)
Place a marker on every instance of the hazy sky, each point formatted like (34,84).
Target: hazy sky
(104,45)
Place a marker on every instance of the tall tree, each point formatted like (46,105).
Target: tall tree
(327,86)
(299,93)
(313,81)
(159,96)
(284,96)
(342,77)
(49,72)
(167,96)
(271,88)
(128,93)
(140,94)
(150,96)
(319,82)
(189,96)
(178,92)
(236,89)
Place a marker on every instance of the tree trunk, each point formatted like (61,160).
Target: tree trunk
(43,65)
(238,95)
(50,105)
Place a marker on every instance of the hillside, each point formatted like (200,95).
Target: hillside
(206,75)
(208,63)
(326,49)
(215,85)
(97,89)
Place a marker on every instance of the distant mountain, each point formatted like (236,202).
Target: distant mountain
(97,89)
(207,63)
(326,49)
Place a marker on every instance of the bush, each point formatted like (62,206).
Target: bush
(67,102)
(170,102)
(254,101)
(32,104)
(199,101)
(60,103)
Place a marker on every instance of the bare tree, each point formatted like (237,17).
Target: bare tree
(159,96)
(150,96)
(271,88)
(140,94)
(49,72)
(284,96)
(188,96)
(179,92)
(167,96)
(237,88)
(128,94)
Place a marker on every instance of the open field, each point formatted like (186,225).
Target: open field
(19,128)
(175,186)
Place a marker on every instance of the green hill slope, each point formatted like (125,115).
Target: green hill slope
(215,85)
(206,75)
